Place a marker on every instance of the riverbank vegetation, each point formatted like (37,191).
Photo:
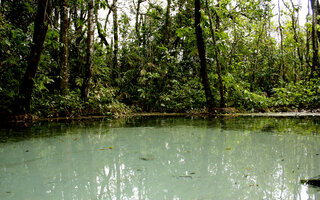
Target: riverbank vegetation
(106,57)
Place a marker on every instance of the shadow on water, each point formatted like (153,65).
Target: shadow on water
(275,125)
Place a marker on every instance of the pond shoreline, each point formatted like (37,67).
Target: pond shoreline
(27,120)
(195,114)
(270,114)
(281,114)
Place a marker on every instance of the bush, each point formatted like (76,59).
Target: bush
(101,102)
(241,98)
(302,95)
(183,96)
(245,100)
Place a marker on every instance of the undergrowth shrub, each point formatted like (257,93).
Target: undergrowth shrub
(183,97)
(240,97)
(100,102)
(302,95)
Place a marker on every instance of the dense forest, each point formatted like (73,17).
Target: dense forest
(105,57)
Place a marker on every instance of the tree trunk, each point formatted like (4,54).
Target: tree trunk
(202,56)
(281,67)
(315,50)
(137,25)
(296,36)
(115,70)
(216,53)
(256,59)
(166,29)
(64,50)
(294,29)
(56,51)
(101,32)
(90,51)
(56,16)
(317,6)
(307,51)
(39,35)
(78,14)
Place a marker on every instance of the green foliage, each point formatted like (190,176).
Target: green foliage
(159,71)
(240,97)
(185,95)
(101,102)
(304,94)
(14,49)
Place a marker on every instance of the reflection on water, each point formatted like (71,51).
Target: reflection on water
(162,158)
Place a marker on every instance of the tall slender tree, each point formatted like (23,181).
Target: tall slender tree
(294,24)
(202,55)
(64,50)
(116,40)
(281,64)
(314,37)
(137,25)
(40,31)
(90,51)
(167,24)
(216,52)
(101,31)
(307,34)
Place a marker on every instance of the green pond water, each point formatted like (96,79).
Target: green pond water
(162,158)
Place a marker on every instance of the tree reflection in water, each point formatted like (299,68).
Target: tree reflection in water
(165,158)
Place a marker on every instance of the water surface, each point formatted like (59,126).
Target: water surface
(162,158)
